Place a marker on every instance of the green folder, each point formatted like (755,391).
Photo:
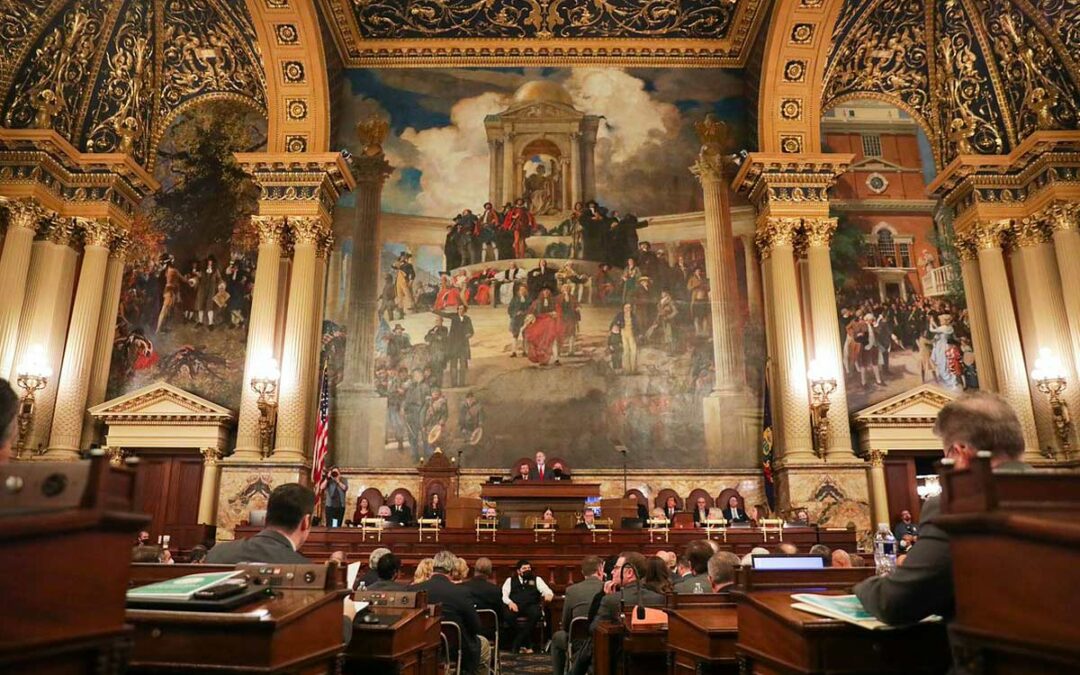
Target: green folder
(180,588)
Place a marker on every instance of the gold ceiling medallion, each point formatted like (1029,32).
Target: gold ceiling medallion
(424,33)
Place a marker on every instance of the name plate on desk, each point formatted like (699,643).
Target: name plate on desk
(293,577)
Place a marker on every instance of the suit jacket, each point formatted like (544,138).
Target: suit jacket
(402,518)
(609,606)
(740,517)
(923,585)
(457,606)
(387,585)
(687,584)
(578,598)
(670,513)
(268,546)
(534,473)
(582,526)
(700,517)
(486,595)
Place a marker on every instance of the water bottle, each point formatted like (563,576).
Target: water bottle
(884,551)
(698,589)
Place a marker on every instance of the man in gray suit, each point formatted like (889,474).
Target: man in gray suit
(579,598)
(288,524)
(698,554)
(625,589)
(923,585)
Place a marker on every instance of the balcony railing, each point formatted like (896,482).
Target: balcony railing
(937,281)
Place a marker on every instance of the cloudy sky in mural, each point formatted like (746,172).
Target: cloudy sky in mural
(438,145)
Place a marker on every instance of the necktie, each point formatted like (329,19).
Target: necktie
(541,472)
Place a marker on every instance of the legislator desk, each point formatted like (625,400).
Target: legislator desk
(1020,619)
(776,638)
(619,649)
(66,531)
(517,502)
(702,632)
(296,628)
(404,638)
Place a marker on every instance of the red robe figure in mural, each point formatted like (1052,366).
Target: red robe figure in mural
(543,332)
(448,296)
(520,222)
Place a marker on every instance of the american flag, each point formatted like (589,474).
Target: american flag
(322,432)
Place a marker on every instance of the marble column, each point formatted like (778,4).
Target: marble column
(1041,294)
(208,491)
(295,391)
(753,278)
(575,169)
(508,177)
(827,346)
(46,308)
(976,304)
(262,331)
(74,381)
(23,218)
(333,286)
(878,492)
(776,242)
(493,172)
(1004,336)
(1065,222)
(360,411)
(106,332)
(770,347)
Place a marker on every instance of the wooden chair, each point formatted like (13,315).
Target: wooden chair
(691,499)
(375,500)
(662,497)
(410,501)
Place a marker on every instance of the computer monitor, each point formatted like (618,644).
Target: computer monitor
(794,561)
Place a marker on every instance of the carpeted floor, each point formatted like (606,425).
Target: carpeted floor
(525,664)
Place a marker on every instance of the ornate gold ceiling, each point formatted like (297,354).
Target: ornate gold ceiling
(110,75)
(980,75)
(543,32)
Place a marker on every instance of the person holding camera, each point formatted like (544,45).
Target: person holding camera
(333,488)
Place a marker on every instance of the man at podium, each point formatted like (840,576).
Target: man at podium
(541,472)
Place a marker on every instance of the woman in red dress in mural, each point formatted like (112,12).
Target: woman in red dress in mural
(543,327)
(448,296)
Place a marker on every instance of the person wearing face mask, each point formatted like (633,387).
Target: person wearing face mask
(524,594)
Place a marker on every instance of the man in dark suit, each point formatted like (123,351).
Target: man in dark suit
(541,471)
(701,512)
(485,594)
(288,524)
(698,554)
(400,513)
(457,606)
(733,514)
(588,520)
(388,568)
(923,585)
(579,597)
(458,352)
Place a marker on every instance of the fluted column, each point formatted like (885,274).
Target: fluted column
(576,169)
(508,165)
(46,308)
(720,268)
(208,491)
(323,249)
(493,172)
(74,381)
(23,218)
(296,376)
(819,232)
(753,278)
(976,305)
(1004,336)
(1065,221)
(334,286)
(879,496)
(106,332)
(1041,295)
(776,242)
(262,330)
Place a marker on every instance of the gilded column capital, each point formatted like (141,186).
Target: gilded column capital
(96,232)
(24,213)
(1063,216)
(210,456)
(708,168)
(819,230)
(777,231)
(307,229)
(990,235)
(966,248)
(270,229)
(877,458)
(121,245)
(60,231)
(324,245)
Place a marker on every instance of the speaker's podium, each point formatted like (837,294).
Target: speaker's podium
(294,625)
(66,531)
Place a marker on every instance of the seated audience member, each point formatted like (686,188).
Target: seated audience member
(548,519)
(146,554)
(166,557)
(713,544)
(748,559)
(434,509)
(856,560)
(823,551)
(906,532)
(722,570)
(485,594)
(923,584)
(524,594)
(372,575)
(457,606)
(732,512)
(400,513)
(701,512)
(841,558)
(698,553)
(198,555)
(588,520)
(670,508)
(423,571)
(683,570)
(787,548)
(669,559)
(143,539)
(460,572)
(559,472)
(657,576)
(522,474)
(578,599)
(383,512)
(388,569)
(9,408)
(623,589)
(288,524)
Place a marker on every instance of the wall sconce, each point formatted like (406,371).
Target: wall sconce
(822,385)
(264,382)
(1049,376)
(32,375)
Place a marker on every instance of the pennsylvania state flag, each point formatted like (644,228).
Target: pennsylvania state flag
(767,449)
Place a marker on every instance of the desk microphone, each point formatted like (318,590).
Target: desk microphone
(639,609)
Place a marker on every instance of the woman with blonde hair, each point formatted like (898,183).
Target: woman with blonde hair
(424,569)
(460,572)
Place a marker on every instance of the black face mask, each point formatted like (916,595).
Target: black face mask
(527,576)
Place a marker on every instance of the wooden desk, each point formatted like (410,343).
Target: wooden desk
(406,641)
(518,501)
(775,638)
(702,640)
(619,651)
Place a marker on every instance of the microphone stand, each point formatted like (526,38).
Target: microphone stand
(622,449)
(457,485)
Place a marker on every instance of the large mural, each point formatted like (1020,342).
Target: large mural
(186,292)
(531,296)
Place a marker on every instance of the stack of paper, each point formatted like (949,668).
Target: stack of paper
(842,608)
(181,588)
